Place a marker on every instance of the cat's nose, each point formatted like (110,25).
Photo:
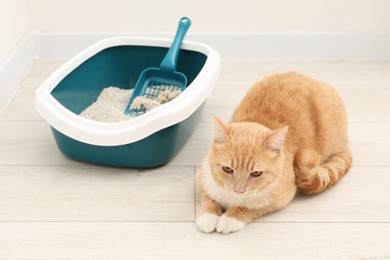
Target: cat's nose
(239,190)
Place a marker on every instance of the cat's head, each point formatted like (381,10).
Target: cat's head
(245,157)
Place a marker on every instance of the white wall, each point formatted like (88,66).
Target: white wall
(13,25)
(208,15)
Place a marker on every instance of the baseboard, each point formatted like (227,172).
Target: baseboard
(13,69)
(337,45)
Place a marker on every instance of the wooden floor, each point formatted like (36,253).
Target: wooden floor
(54,208)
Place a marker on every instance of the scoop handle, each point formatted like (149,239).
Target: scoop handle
(170,60)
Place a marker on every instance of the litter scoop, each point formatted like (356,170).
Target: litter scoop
(153,81)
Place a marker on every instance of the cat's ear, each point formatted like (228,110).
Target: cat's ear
(220,131)
(276,140)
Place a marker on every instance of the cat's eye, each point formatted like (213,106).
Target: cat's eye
(227,169)
(256,173)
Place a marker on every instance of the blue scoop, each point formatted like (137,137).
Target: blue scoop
(153,81)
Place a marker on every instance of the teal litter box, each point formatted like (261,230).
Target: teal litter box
(147,141)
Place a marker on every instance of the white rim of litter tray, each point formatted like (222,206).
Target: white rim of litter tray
(119,133)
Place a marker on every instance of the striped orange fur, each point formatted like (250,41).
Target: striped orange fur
(288,133)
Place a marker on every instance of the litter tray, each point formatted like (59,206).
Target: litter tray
(149,140)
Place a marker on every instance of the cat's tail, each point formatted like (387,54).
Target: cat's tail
(317,176)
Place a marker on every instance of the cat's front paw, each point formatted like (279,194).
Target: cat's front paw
(207,222)
(228,224)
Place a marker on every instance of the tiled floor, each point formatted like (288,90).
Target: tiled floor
(54,208)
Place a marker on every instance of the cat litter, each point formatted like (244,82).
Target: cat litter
(112,101)
(143,104)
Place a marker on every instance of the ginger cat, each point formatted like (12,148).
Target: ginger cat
(288,133)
